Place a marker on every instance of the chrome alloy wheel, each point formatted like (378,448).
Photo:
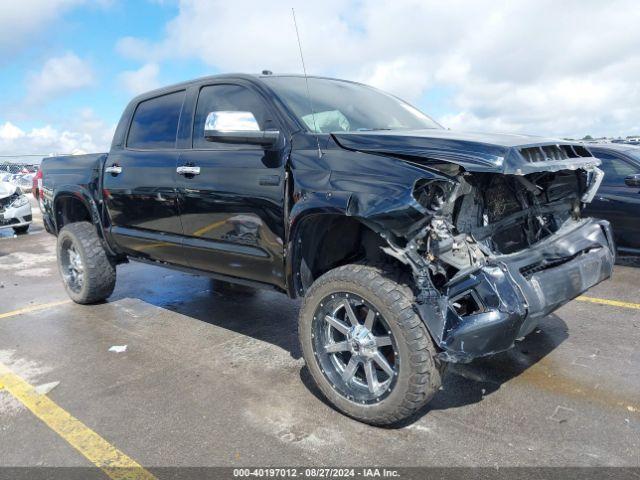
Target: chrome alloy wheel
(355,348)
(72,266)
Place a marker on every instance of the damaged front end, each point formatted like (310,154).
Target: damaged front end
(495,252)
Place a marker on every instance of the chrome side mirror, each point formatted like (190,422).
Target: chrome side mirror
(237,127)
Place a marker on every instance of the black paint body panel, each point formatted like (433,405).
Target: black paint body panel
(142,203)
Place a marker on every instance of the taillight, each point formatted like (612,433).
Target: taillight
(38,192)
(37,184)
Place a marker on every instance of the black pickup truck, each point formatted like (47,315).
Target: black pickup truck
(412,245)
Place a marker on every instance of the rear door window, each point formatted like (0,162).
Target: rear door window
(155,122)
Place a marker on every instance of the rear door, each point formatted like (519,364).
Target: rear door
(232,211)
(616,201)
(140,188)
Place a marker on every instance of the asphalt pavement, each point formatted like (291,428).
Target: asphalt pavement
(212,379)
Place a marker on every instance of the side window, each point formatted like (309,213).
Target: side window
(615,169)
(155,122)
(233,98)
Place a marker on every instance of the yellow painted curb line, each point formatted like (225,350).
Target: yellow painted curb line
(611,303)
(96,449)
(33,308)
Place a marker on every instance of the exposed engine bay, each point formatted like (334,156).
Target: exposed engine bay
(508,213)
(478,216)
(482,230)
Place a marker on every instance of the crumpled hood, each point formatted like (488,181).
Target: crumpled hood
(476,152)
(6,189)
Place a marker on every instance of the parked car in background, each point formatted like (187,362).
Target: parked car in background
(15,209)
(618,198)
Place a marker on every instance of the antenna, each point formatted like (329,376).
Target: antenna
(306,80)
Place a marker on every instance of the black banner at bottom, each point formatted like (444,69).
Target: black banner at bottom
(333,473)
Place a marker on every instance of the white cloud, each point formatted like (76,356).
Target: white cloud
(141,80)
(403,76)
(9,132)
(21,19)
(541,66)
(135,48)
(59,75)
(84,135)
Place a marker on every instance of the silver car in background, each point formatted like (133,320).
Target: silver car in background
(15,208)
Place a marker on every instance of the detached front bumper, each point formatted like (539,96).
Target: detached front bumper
(510,294)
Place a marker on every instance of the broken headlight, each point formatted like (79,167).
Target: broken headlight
(432,194)
(21,201)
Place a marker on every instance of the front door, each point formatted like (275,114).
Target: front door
(232,211)
(140,187)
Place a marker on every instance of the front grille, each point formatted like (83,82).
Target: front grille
(529,270)
(5,202)
(549,153)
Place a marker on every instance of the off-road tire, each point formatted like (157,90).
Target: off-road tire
(21,229)
(99,270)
(420,373)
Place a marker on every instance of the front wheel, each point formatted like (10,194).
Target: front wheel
(365,346)
(88,274)
(21,229)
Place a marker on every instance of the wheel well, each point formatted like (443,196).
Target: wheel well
(69,210)
(328,241)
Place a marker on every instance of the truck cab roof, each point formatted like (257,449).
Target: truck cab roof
(249,77)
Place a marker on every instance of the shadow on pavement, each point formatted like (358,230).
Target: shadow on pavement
(628,260)
(469,383)
(265,315)
(465,384)
(9,233)
(271,317)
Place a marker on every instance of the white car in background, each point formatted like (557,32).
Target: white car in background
(15,209)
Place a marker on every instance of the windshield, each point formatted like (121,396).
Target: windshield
(340,106)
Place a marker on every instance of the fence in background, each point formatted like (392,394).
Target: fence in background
(19,169)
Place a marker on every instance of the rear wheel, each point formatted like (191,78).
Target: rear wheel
(366,348)
(87,272)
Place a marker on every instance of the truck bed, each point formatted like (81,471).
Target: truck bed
(77,176)
(72,169)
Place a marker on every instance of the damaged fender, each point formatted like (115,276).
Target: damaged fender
(492,235)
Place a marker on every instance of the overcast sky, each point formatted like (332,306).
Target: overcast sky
(569,68)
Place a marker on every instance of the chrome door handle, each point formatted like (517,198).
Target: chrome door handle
(186,170)
(113,169)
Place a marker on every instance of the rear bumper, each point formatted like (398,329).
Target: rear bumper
(513,292)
